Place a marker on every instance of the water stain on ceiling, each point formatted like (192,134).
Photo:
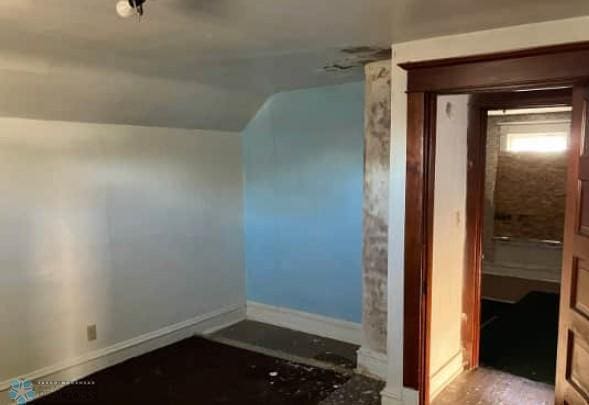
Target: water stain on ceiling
(357,57)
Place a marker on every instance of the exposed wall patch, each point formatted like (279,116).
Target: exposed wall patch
(377,135)
(357,57)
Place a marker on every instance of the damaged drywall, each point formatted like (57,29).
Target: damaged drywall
(358,57)
(377,121)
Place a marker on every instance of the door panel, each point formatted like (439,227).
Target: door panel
(580,293)
(584,216)
(572,383)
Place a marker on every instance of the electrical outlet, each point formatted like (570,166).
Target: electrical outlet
(91,332)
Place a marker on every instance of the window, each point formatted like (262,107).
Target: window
(537,142)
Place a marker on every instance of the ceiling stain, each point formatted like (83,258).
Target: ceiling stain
(356,57)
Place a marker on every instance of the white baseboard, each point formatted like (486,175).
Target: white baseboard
(404,396)
(445,375)
(372,363)
(82,366)
(305,322)
(439,381)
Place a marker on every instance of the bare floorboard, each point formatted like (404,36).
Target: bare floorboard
(490,387)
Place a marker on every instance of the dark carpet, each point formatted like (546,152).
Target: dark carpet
(492,310)
(198,371)
(521,339)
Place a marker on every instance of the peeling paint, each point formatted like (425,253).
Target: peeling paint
(357,58)
(376,180)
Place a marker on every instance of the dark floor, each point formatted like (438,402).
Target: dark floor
(307,349)
(199,371)
(289,344)
(492,310)
(521,339)
(205,372)
(492,387)
(358,390)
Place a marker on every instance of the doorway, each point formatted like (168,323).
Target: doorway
(523,153)
(523,231)
(541,68)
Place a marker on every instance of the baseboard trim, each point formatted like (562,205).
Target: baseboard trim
(319,325)
(372,363)
(82,366)
(445,375)
(404,396)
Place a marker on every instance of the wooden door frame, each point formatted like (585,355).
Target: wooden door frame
(544,67)
(479,105)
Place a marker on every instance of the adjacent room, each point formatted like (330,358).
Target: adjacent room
(500,194)
(232,202)
(523,216)
(525,196)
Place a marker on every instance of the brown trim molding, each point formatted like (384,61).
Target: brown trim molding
(417,236)
(562,65)
(485,57)
(541,68)
(523,99)
(475,201)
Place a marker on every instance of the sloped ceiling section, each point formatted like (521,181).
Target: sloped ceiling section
(211,63)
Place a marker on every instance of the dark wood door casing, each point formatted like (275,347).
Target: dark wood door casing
(419,234)
(548,67)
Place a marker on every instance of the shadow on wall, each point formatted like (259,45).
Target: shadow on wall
(131,229)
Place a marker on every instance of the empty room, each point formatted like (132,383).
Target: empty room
(294,203)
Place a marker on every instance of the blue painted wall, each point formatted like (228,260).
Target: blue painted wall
(303,167)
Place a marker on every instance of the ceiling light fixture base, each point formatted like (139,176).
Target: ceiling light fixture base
(128,8)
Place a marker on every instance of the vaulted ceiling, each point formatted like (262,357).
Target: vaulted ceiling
(211,63)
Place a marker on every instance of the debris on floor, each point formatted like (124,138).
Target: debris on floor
(358,390)
(197,370)
(491,387)
(289,344)
(209,372)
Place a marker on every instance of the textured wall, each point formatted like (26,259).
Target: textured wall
(303,201)
(492,158)
(530,195)
(377,135)
(493,148)
(129,228)
(525,197)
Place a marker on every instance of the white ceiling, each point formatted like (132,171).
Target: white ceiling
(211,63)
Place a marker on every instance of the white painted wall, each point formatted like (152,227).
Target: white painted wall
(488,41)
(129,228)
(525,259)
(449,235)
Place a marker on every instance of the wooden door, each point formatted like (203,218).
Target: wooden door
(572,379)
